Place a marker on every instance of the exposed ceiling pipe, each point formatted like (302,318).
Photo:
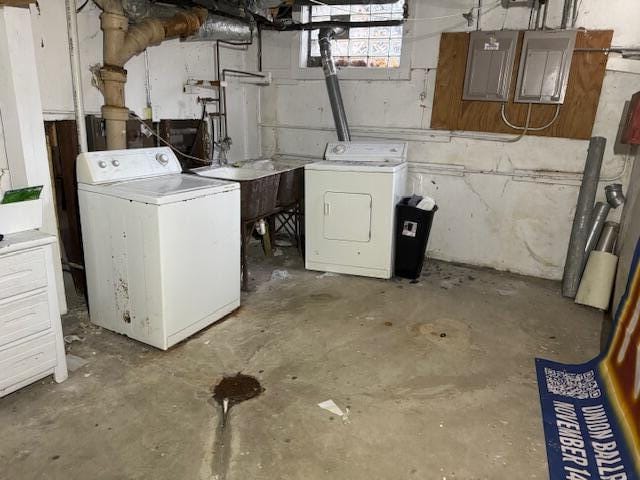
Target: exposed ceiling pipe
(76,76)
(138,10)
(217,27)
(122,42)
(333,85)
(574,14)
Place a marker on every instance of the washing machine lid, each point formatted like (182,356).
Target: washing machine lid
(164,189)
(384,166)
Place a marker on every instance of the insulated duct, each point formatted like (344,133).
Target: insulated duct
(138,10)
(333,85)
(217,27)
(581,221)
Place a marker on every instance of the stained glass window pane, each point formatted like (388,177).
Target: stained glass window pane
(361,9)
(368,47)
(358,47)
(320,10)
(378,62)
(395,47)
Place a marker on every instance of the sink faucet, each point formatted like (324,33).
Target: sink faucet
(224,146)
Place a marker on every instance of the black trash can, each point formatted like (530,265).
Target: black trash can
(412,234)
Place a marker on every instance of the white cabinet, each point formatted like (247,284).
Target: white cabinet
(31,344)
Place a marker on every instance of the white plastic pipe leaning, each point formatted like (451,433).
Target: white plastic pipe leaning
(597,280)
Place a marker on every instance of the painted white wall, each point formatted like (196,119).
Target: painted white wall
(170,65)
(24,142)
(506,206)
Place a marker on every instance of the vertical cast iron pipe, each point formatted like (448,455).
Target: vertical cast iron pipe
(581,221)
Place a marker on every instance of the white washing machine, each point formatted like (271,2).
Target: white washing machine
(350,200)
(161,248)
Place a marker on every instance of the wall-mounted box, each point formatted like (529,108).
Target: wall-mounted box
(545,64)
(490,65)
(631,130)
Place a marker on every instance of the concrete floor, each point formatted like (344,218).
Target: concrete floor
(438,378)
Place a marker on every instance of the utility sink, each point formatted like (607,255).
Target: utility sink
(265,184)
(237,174)
(291,187)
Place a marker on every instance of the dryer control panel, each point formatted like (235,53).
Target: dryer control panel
(366,152)
(118,165)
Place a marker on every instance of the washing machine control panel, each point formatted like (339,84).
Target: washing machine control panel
(119,165)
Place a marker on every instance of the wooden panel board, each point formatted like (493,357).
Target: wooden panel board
(577,114)
(16,3)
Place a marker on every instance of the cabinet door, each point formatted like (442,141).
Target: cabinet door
(347,216)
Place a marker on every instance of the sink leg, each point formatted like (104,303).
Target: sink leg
(243,258)
(266,241)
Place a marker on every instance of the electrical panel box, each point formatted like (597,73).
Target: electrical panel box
(545,64)
(490,65)
(631,131)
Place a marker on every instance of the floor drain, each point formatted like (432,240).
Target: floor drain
(229,392)
(238,388)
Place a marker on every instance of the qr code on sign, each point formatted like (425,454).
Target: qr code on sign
(574,385)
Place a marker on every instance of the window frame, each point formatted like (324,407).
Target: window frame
(299,57)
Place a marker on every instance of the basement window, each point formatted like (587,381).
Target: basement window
(368,47)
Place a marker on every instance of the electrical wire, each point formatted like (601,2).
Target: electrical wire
(524,130)
(162,140)
(79,9)
(531,129)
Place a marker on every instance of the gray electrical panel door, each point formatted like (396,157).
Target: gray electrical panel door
(545,64)
(490,65)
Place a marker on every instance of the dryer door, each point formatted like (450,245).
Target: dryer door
(347,216)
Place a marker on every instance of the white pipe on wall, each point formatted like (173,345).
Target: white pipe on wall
(76,75)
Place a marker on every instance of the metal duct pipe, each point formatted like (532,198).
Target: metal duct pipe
(574,13)
(138,10)
(333,85)
(598,217)
(566,11)
(580,229)
(609,236)
(614,195)
(228,29)
(76,75)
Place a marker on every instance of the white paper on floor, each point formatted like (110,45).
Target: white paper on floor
(73,338)
(328,274)
(331,406)
(280,275)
